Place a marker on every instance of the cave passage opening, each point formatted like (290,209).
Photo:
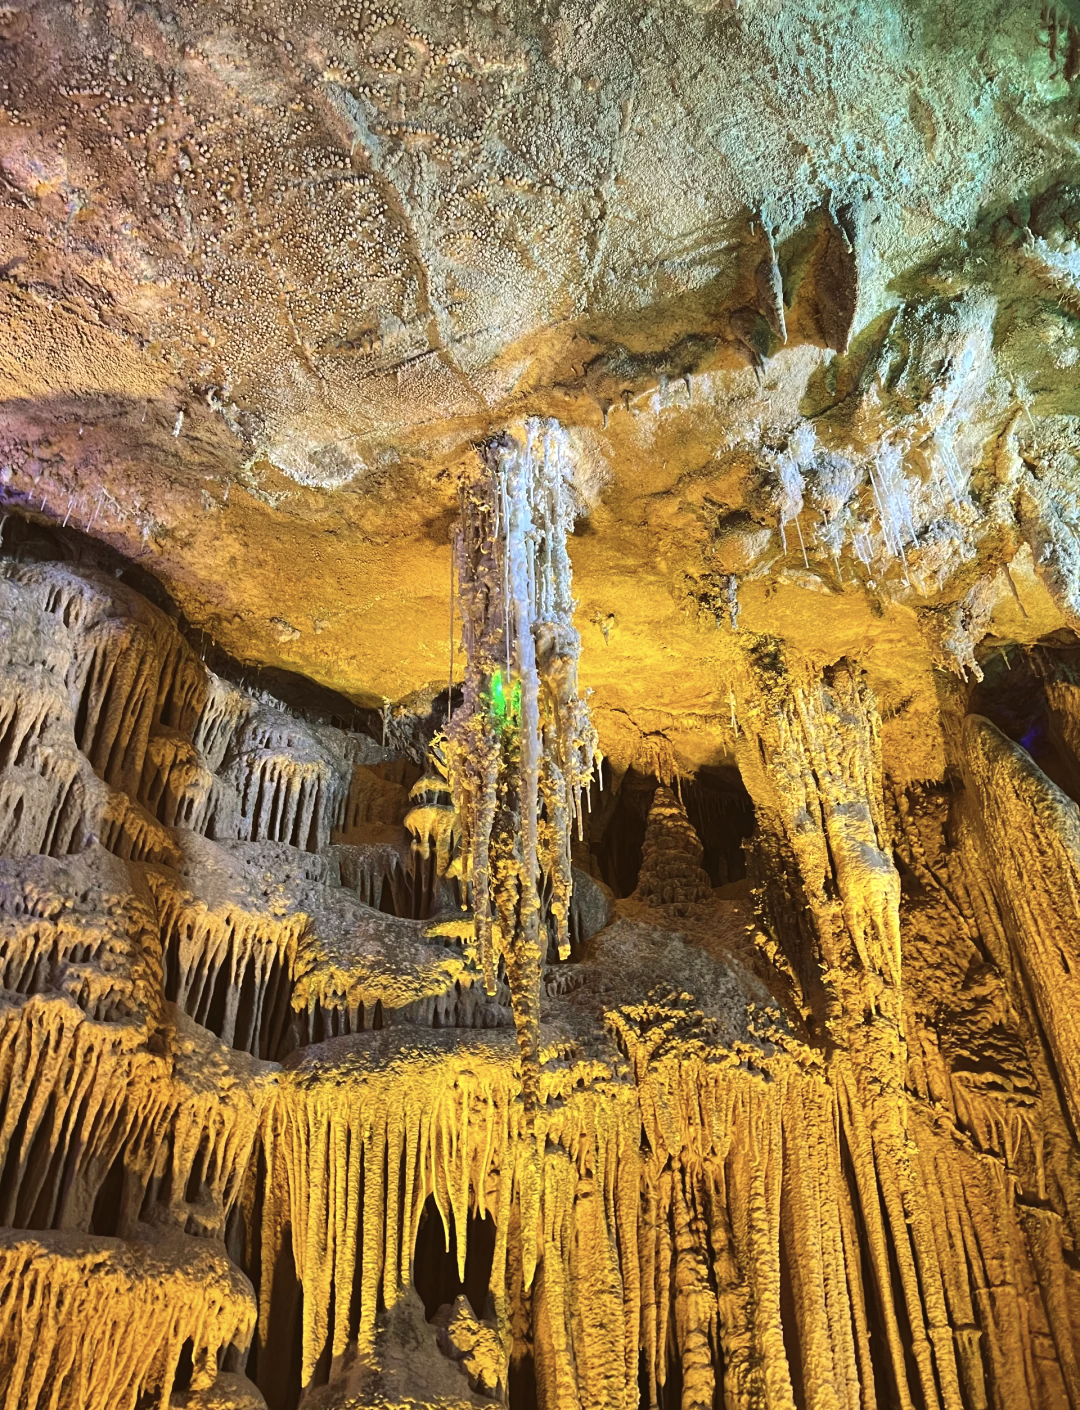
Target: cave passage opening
(717,805)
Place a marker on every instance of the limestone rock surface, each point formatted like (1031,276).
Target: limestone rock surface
(539,705)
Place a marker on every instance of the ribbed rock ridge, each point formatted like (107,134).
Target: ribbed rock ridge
(804,1141)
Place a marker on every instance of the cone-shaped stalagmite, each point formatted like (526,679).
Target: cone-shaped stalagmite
(671,872)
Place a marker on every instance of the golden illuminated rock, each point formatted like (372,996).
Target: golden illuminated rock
(539,705)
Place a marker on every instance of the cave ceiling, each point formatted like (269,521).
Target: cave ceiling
(539,705)
(271,271)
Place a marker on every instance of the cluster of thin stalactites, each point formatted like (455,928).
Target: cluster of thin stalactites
(521,749)
(868,1221)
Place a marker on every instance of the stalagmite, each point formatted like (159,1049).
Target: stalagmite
(671,874)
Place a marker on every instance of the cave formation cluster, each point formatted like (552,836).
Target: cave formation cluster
(800,1139)
(539,705)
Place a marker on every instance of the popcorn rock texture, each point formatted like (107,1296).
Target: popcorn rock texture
(539,705)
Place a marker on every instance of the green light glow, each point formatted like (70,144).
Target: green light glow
(505,705)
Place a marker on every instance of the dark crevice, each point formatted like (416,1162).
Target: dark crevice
(719,808)
(619,846)
(669,1395)
(276,1365)
(185,1366)
(108,1205)
(435,1270)
(789,1316)
(1012,695)
(522,1394)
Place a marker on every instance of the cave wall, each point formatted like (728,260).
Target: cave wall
(794,287)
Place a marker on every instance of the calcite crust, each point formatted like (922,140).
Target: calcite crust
(539,705)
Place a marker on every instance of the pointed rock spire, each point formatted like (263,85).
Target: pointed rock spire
(671,872)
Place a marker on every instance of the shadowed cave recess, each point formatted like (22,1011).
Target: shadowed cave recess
(539,705)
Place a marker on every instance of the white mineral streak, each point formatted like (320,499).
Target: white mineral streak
(522,749)
(69,1305)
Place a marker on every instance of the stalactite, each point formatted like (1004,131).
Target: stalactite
(190,1147)
(39,766)
(435,828)
(180,789)
(284,798)
(879,1212)
(230,970)
(371,799)
(817,777)
(223,713)
(811,761)
(433,822)
(1031,831)
(99,946)
(126,828)
(521,748)
(79,1096)
(96,1324)
(132,670)
(362,969)
(380,874)
(661,1189)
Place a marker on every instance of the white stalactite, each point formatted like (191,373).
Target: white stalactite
(521,750)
